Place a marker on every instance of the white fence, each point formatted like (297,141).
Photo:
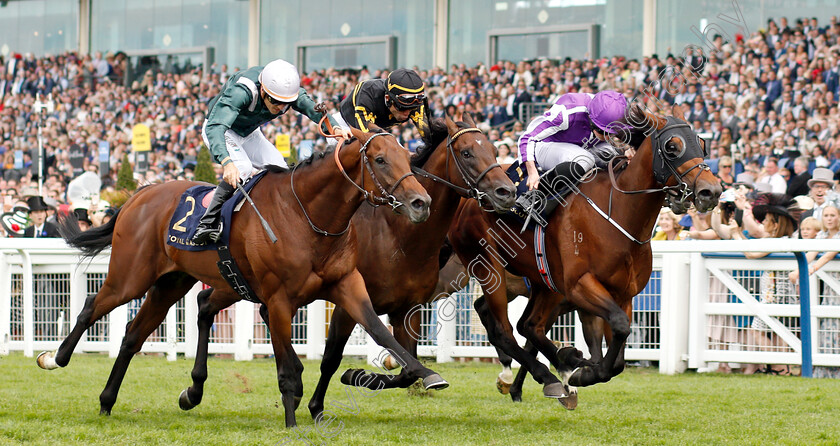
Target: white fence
(698,309)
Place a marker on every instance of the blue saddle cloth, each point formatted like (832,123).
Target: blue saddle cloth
(191,208)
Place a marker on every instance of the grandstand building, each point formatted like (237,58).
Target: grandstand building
(381,33)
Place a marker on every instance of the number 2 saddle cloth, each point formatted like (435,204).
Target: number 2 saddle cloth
(191,207)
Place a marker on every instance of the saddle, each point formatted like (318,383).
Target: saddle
(185,219)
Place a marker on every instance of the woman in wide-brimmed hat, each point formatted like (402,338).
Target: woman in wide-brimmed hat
(779,215)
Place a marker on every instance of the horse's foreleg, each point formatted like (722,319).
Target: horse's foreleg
(593,298)
(341,326)
(500,333)
(350,294)
(519,381)
(405,335)
(161,297)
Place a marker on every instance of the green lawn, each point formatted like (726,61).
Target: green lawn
(241,406)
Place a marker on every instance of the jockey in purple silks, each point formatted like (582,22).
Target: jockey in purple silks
(568,137)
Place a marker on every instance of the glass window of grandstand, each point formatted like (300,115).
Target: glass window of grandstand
(472,21)
(38,27)
(181,29)
(680,23)
(284,25)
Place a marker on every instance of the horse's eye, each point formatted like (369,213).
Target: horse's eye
(380,160)
(466,154)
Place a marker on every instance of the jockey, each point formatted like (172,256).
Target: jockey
(568,137)
(248,99)
(385,102)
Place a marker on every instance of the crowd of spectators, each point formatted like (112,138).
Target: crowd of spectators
(767,101)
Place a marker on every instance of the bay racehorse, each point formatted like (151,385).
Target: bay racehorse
(597,256)
(401,265)
(310,208)
(400,261)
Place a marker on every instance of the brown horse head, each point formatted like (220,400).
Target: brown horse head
(391,180)
(678,158)
(475,167)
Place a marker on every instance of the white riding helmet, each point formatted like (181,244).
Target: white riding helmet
(281,80)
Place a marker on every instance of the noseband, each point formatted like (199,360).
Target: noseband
(471,191)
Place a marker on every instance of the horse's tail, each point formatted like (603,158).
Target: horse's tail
(90,242)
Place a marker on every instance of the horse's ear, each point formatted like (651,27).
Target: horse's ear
(656,120)
(450,125)
(357,133)
(469,119)
(677,112)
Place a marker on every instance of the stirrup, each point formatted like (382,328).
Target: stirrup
(529,202)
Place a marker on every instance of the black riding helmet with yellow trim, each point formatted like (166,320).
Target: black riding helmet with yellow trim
(405,89)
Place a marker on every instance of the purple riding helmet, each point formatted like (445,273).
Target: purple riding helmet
(607,110)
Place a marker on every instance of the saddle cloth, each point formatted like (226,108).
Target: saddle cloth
(191,207)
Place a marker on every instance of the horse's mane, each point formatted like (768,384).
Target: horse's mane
(636,135)
(438,132)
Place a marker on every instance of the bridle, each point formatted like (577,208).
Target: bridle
(663,169)
(665,166)
(471,191)
(384,197)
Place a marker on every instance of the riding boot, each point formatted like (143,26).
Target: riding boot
(209,228)
(562,179)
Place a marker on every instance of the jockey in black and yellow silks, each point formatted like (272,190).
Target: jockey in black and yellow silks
(385,102)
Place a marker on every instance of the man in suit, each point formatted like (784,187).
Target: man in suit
(821,186)
(798,184)
(40,227)
(774,87)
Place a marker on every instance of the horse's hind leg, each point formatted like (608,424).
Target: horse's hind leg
(117,290)
(289,367)
(210,303)
(167,290)
(341,326)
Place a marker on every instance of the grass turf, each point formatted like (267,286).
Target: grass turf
(242,406)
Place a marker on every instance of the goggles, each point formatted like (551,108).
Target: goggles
(408,101)
(273,101)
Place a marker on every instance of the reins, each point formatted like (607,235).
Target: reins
(471,191)
(681,189)
(385,197)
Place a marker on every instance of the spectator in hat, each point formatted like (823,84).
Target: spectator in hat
(779,215)
(82,217)
(821,185)
(40,227)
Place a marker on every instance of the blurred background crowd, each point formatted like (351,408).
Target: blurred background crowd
(767,101)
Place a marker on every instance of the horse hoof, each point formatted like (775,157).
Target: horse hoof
(390,363)
(434,381)
(504,381)
(571,401)
(46,361)
(555,390)
(184,401)
(516,398)
(348,378)
(105,412)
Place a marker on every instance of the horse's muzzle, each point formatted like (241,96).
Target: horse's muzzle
(706,198)
(417,208)
(503,197)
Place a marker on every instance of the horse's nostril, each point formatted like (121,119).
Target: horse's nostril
(704,193)
(503,192)
(418,204)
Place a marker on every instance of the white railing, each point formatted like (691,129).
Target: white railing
(695,311)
